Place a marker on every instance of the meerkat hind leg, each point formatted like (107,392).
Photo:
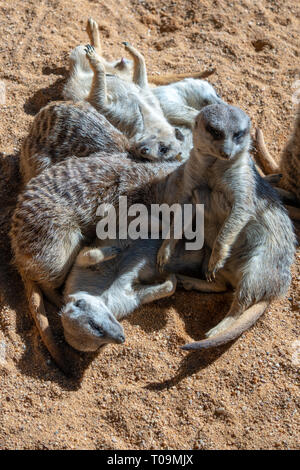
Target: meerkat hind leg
(140,71)
(93,32)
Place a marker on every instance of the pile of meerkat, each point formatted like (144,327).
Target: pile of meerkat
(117,137)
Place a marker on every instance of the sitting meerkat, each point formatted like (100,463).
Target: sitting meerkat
(246,227)
(56,216)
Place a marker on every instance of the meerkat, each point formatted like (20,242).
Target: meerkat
(285,176)
(133,109)
(56,216)
(290,161)
(246,227)
(80,78)
(61,130)
(105,285)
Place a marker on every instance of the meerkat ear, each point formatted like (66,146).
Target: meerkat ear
(178,134)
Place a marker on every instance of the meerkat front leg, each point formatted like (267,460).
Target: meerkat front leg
(92,29)
(98,93)
(228,234)
(157,291)
(139,71)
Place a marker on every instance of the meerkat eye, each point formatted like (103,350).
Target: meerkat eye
(80,303)
(239,135)
(163,149)
(216,133)
(97,328)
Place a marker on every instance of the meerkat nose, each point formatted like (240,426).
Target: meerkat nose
(120,339)
(144,150)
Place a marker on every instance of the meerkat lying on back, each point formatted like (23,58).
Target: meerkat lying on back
(81,76)
(246,228)
(105,285)
(133,109)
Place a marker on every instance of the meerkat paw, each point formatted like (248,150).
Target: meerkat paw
(93,58)
(92,29)
(216,262)
(129,48)
(185,282)
(163,256)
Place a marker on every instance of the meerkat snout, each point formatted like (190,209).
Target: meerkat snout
(88,324)
(222,131)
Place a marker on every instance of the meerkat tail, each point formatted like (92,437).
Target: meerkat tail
(37,310)
(176,77)
(243,323)
(266,161)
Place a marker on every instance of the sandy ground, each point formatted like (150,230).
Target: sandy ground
(147,393)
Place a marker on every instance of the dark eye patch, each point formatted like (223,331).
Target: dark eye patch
(163,149)
(239,135)
(97,328)
(216,133)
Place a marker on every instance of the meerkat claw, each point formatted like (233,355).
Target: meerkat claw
(89,49)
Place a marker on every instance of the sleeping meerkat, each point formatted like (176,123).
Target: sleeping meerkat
(80,78)
(61,130)
(133,109)
(246,228)
(106,284)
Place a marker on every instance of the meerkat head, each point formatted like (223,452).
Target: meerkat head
(222,131)
(123,68)
(88,324)
(161,144)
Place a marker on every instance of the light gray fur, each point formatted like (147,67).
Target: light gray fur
(247,229)
(100,290)
(182,101)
